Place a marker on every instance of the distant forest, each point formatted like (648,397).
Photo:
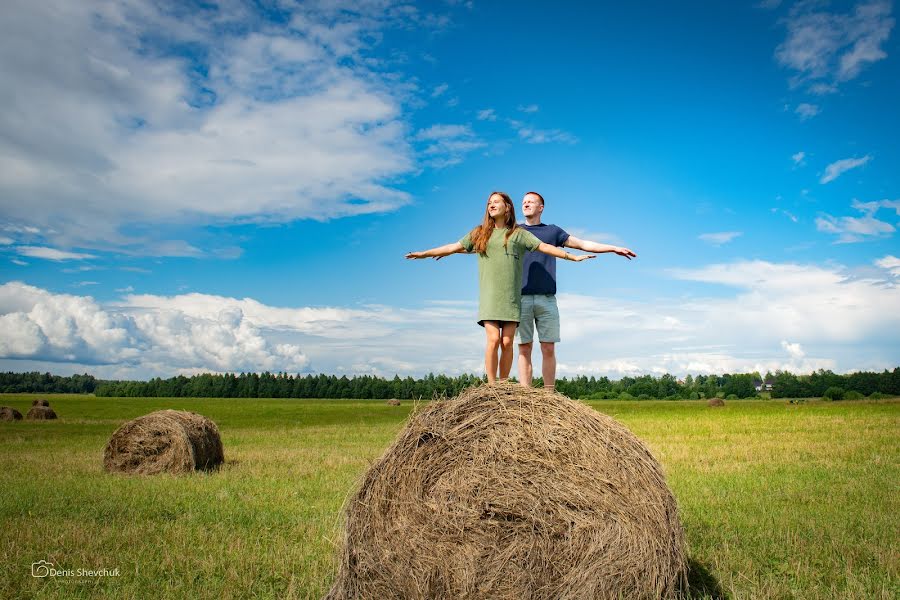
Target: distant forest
(781,384)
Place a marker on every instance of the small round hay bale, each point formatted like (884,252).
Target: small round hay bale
(505,492)
(7,413)
(716,402)
(40,402)
(165,441)
(393,402)
(40,413)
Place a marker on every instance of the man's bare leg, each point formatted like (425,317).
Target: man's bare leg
(548,366)
(525,367)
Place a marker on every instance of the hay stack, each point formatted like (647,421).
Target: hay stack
(511,493)
(716,402)
(40,402)
(8,413)
(166,441)
(40,413)
(393,402)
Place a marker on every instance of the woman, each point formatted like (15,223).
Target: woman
(500,245)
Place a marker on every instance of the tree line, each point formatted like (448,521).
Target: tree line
(282,385)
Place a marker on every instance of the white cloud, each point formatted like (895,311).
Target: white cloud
(528,108)
(439,90)
(784,212)
(722,237)
(838,167)
(530,135)
(806,111)
(798,158)
(447,145)
(765,316)
(891,263)
(487,114)
(51,253)
(795,350)
(856,229)
(40,325)
(114,123)
(825,49)
(16,261)
(6,241)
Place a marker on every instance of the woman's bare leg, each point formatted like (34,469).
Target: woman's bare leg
(507,336)
(492,331)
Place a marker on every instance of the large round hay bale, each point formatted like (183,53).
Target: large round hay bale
(166,441)
(40,413)
(7,413)
(40,402)
(505,492)
(716,402)
(393,402)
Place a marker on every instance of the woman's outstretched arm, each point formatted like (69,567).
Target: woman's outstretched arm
(560,253)
(438,252)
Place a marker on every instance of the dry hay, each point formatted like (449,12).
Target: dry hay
(7,413)
(40,413)
(505,492)
(40,402)
(716,402)
(165,441)
(393,402)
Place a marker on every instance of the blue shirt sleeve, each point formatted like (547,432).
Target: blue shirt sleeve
(561,237)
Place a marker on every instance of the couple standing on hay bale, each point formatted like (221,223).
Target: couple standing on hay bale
(517,281)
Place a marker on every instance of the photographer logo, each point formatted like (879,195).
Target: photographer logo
(45,568)
(41,568)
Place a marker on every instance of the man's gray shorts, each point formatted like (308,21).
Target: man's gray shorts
(540,309)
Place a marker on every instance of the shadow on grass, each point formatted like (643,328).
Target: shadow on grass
(702,583)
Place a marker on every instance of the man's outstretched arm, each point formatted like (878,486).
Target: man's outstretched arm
(589,246)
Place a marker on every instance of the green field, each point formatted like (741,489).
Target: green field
(777,500)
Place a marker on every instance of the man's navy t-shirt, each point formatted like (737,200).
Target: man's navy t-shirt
(539,276)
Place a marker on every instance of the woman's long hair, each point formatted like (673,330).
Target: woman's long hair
(481,234)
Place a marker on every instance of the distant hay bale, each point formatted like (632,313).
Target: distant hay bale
(40,413)
(716,402)
(40,402)
(505,492)
(393,402)
(7,413)
(166,441)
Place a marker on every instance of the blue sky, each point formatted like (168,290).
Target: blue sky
(232,186)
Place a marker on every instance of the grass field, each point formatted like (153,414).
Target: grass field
(777,500)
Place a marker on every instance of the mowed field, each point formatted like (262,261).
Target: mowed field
(778,500)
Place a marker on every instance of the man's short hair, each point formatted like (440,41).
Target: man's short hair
(541,198)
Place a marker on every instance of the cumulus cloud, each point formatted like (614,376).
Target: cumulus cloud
(839,167)
(890,263)
(824,49)
(130,112)
(40,325)
(717,239)
(763,316)
(798,158)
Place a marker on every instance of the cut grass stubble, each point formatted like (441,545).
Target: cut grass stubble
(777,500)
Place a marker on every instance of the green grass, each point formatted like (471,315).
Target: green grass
(777,500)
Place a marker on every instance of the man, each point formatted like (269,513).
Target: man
(539,290)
